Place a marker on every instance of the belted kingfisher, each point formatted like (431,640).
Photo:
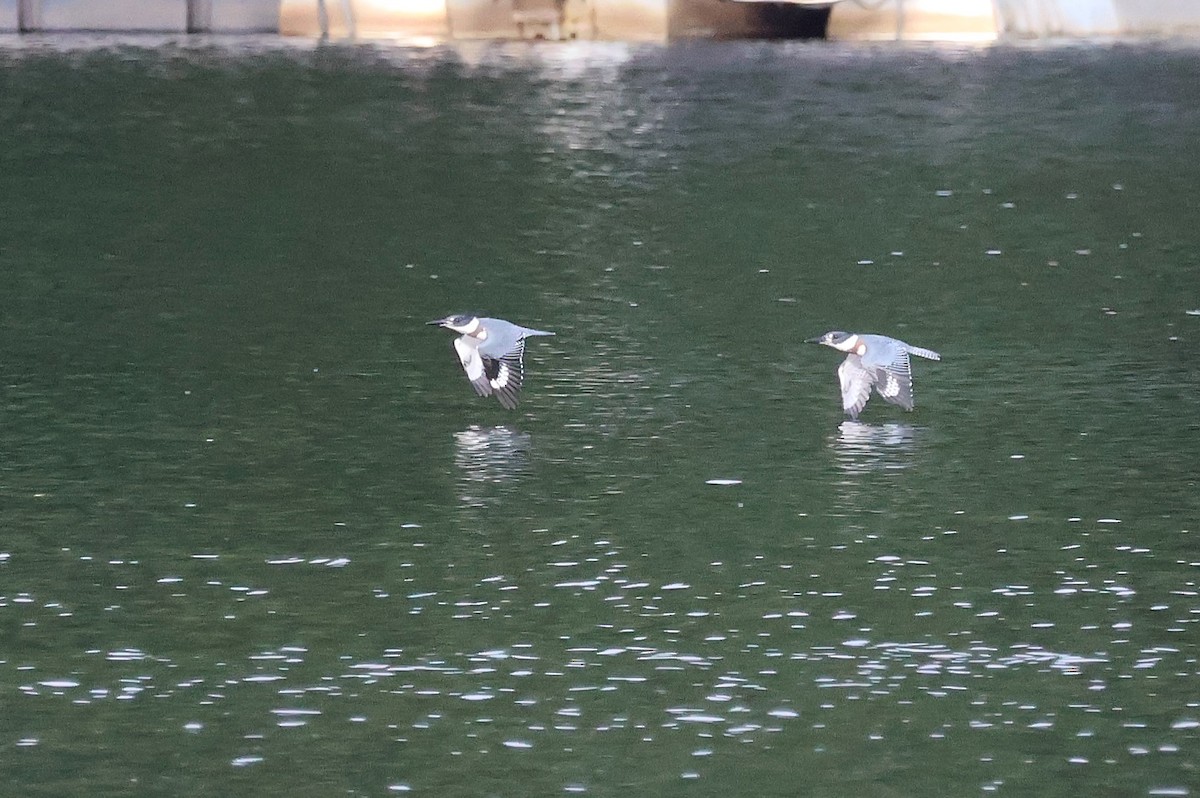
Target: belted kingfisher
(491,352)
(874,361)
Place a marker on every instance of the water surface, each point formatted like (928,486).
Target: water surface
(261,537)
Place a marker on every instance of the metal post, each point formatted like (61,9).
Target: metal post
(347,17)
(323,19)
(199,16)
(28,18)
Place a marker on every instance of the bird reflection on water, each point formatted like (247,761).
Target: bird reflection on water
(864,448)
(865,454)
(488,456)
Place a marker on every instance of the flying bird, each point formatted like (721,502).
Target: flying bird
(491,352)
(873,361)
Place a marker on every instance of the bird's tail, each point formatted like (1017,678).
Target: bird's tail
(928,354)
(529,332)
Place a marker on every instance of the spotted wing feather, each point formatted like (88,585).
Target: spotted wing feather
(504,375)
(928,354)
(894,381)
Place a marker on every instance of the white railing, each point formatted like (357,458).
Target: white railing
(190,16)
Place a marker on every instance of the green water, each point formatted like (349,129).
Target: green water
(260,537)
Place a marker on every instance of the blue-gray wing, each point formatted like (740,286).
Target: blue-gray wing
(856,381)
(503,354)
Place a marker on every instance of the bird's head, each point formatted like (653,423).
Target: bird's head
(835,338)
(465,323)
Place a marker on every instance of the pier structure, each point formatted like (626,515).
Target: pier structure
(623,20)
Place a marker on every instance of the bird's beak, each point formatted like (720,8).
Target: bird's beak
(820,339)
(439,322)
